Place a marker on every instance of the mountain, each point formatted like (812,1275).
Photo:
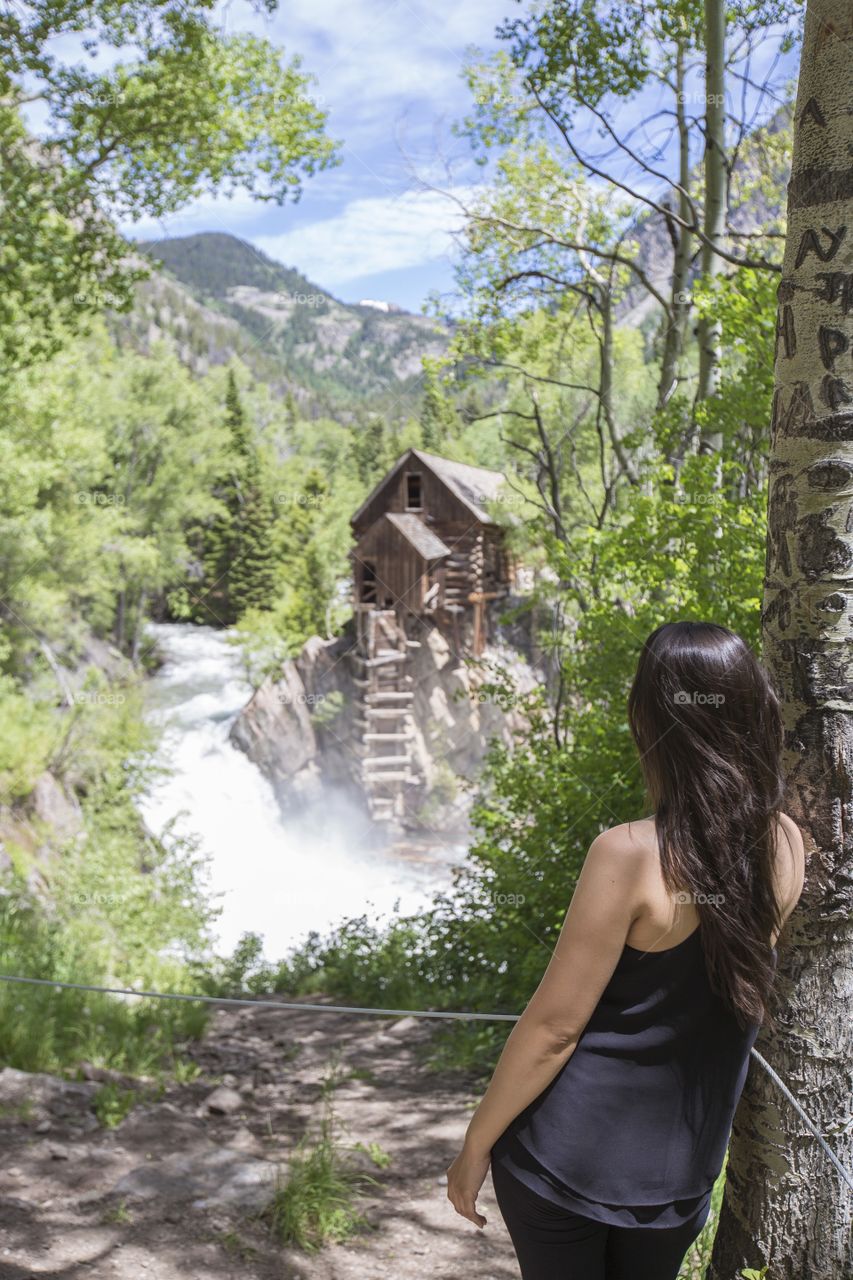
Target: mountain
(217,297)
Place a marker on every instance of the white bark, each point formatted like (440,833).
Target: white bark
(785,1206)
(676,326)
(710,332)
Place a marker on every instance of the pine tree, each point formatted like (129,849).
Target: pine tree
(304,569)
(439,420)
(238,551)
(369,449)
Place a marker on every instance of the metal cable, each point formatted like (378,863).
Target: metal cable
(266,1004)
(810,1125)
(845,1173)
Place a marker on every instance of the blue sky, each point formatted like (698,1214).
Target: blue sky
(389,74)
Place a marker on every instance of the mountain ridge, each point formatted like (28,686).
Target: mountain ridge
(217,296)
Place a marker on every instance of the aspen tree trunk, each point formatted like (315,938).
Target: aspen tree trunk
(785,1206)
(710,335)
(674,338)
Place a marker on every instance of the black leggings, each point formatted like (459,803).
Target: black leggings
(552,1243)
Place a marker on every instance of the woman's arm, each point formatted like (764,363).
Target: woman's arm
(606,901)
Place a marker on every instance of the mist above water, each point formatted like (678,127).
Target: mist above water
(277,876)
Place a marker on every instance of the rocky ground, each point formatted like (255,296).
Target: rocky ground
(172,1192)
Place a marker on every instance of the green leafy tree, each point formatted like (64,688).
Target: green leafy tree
(186,109)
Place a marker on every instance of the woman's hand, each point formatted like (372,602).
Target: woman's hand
(465,1177)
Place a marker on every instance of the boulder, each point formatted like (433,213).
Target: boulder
(224,1101)
(218,1178)
(44,1097)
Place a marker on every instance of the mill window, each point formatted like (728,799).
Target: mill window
(368,582)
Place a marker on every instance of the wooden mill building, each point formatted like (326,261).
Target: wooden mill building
(426,545)
(427,550)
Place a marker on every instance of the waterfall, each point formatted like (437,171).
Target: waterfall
(273,875)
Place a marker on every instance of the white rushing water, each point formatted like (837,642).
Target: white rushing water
(279,877)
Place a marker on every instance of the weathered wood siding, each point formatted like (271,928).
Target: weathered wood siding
(440,507)
(401,572)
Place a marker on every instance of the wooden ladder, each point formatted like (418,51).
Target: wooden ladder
(386,702)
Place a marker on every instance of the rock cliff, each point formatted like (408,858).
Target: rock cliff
(302,728)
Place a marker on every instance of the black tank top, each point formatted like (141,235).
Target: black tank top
(633,1129)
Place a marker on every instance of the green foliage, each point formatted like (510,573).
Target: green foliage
(439,420)
(187,109)
(669,547)
(25,743)
(315,1203)
(375,1154)
(117,908)
(698,1260)
(112,1104)
(236,547)
(108,458)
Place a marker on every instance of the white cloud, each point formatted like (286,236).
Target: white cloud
(376,58)
(369,236)
(207,213)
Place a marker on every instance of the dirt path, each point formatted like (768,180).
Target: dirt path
(169,1193)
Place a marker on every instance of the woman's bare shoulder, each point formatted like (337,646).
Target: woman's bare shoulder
(793,835)
(636,840)
(790,863)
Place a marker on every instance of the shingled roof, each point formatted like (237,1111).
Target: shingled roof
(474,486)
(427,543)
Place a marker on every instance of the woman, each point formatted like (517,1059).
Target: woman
(607,1118)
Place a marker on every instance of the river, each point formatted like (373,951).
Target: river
(276,876)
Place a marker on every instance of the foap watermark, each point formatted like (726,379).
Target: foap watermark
(89,498)
(497,95)
(502,698)
(511,500)
(700,899)
(702,499)
(109,95)
(507,899)
(301,699)
(696,698)
(304,299)
(98,899)
(319,101)
(98,698)
(99,298)
(299,499)
(701,99)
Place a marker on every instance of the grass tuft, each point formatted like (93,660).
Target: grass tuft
(315,1204)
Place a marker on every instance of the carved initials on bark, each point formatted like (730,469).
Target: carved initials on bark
(812,108)
(833,343)
(783,510)
(837,286)
(786,331)
(834,392)
(811,244)
(841,30)
(800,410)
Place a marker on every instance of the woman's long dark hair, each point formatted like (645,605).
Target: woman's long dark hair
(706,721)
